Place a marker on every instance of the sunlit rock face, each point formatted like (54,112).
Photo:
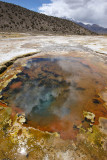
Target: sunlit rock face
(54,91)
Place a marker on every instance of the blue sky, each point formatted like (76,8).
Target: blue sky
(86,11)
(29,4)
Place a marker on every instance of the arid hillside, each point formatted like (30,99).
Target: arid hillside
(14,18)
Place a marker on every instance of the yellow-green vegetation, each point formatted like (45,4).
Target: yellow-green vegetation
(92,141)
(4,117)
(20,142)
(96,137)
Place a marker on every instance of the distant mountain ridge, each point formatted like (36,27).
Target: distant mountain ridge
(94,28)
(14,18)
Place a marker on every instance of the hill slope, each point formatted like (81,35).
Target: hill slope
(18,19)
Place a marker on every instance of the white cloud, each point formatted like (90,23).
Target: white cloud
(89,11)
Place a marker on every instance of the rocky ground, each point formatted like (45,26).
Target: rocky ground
(18,141)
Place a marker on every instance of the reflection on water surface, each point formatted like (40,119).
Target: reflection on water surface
(54,92)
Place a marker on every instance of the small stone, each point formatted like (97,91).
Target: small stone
(89,116)
(22,118)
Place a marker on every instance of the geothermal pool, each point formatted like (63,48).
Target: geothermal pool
(53,92)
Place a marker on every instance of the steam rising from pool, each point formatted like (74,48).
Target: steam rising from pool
(53,92)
